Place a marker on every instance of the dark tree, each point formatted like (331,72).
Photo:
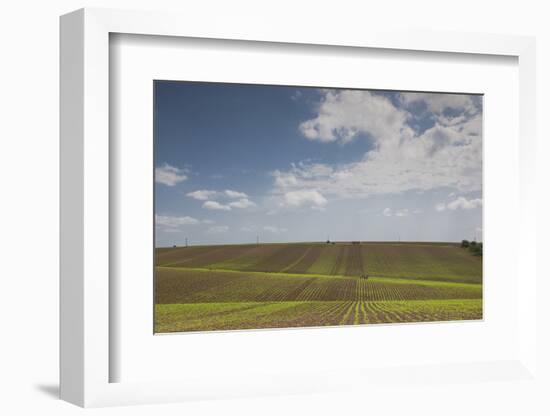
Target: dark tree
(477,249)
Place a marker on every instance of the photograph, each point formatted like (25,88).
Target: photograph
(280,206)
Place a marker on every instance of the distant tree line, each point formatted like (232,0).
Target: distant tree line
(475,248)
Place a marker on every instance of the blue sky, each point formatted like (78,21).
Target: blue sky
(235,162)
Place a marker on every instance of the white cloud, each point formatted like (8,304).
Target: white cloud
(344,114)
(242,203)
(463,203)
(175,221)
(419,165)
(214,205)
(403,212)
(173,224)
(274,230)
(462,106)
(211,199)
(438,103)
(440,207)
(284,180)
(460,203)
(202,194)
(169,175)
(400,159)
(218,229)
(310,198)
(235,194)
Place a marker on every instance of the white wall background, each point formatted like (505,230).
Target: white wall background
(29,195)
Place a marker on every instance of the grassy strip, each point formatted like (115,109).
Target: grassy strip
(381,279)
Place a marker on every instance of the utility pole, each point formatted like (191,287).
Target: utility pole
(257,239)
(185,241)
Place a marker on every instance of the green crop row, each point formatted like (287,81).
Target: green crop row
(180,285)
(257,315)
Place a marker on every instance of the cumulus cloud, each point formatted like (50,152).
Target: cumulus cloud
(343,114)
(214,205)
(202,194)
(460,203)
(166,220)
(242,203)
(215,229)
(274,230)
(169,175)
(440,206)
(404,212)
(284,179)
(235,194)
(173,223)
(463,203)
(401,159)
(307,197)
(438,103)
(212,198)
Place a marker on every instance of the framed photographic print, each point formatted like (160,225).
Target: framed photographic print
(283,206)
(285,212)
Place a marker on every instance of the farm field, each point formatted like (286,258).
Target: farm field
(314,284)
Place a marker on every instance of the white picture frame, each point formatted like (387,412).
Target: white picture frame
(85,212)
